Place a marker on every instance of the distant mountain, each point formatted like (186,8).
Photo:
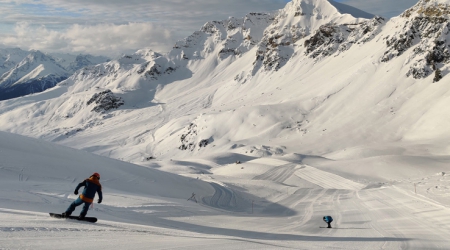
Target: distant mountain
(73,63)
(317,74)
(10,57)
(27,72)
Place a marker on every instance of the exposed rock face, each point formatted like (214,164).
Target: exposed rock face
(105,101)
(321,20)
(428,8)
(145,63)
(426,29)
(231,37)
(330,38)
(188,138)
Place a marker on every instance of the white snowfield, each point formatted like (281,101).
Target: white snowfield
(266,203)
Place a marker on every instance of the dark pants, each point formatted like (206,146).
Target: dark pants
(75,204)
(329,224)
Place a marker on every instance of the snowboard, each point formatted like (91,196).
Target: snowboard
(88,219)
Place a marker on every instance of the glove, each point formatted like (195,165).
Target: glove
(76,192)
(99,201)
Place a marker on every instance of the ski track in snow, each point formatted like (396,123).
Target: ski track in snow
(326,179)
(223,198)
(278,174)
(313,175)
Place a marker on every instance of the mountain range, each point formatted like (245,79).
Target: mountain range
(315,78)
(26,72)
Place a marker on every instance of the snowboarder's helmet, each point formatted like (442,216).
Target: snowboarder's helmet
(96,175)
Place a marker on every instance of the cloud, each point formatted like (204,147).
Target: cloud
(385,8)
(101,39)
(102,25)
(179,14)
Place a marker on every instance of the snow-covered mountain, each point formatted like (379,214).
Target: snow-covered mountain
(26,72)
(317,75)
(10,57)
(73,63)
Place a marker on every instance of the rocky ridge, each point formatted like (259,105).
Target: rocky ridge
(424,36)
(320,23)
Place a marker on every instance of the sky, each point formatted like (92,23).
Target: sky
(114,27)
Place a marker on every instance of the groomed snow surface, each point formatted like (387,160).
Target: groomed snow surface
(263,203)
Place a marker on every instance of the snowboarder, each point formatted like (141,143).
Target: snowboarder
(91,186)
(328,220)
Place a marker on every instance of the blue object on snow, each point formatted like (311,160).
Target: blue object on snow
(327,219)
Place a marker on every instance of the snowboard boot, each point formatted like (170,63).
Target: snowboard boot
(65,215)
(81,217)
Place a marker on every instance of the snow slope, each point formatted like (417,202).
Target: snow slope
(268,203)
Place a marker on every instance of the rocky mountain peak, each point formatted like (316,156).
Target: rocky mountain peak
(231,37)
(37,55)
(424,28)
(323,8)
(325,25)
(429,8)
